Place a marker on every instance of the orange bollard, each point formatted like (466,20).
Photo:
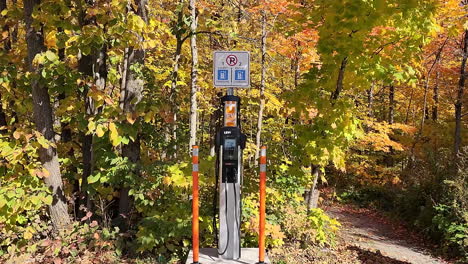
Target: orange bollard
(261,239)
(195,231)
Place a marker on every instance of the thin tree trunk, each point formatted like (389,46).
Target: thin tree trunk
(435,107)
(315,170)
(409,106)
(7,47)
(43,118)
(3,121)
(132,91)
(339,81)
(174,79)
(370,100)
(391,108)
(426,85)
(262,88)
(92,66)
(459,101)
(194,76)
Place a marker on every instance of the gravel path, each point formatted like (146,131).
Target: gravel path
(370,234)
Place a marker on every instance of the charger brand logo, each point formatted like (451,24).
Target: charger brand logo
(227,132)
(230,114)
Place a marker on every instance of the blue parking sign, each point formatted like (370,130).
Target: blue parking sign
(223,75)
(239,75)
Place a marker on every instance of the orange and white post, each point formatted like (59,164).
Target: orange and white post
(195,231)
(261,239)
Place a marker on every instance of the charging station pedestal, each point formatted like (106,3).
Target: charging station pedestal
(230,142)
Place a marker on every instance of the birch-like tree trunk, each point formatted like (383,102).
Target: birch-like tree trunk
(262,88)
(194,76)
(311,203)
(460,92)
(43,118)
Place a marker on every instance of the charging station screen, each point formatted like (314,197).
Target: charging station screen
(229,143)
(230,152)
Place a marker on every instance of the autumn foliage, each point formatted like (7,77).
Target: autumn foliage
(101,99)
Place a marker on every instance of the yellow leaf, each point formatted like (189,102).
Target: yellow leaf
(27,235)
(91,126)
(112,127)
(148,116)
(51,39)
(130,118)
(99,131)
(114,135)
(167,180)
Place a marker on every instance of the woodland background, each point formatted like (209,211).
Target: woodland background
(102,99)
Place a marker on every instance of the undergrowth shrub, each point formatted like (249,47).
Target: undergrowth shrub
(306,228)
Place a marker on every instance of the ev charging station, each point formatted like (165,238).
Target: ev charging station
(231,69)
(230,142)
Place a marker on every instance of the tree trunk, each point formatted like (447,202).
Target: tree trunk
(435,107)
(391,108)
(311,203)
(194,87)
(91,66)
(339,81)
(262,88)
(131,94)
(370,100)
(426,85)
(409,106)
(459,101)
(7,47)
(3,121)
(43,118)
(174,79)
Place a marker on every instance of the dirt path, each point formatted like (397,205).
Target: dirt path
(377,240)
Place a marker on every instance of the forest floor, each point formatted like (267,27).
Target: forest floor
(378,239)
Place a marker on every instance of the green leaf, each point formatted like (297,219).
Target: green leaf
(48,200)
(51,56)
(94,178)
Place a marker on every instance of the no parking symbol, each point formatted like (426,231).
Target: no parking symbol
(231,60)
